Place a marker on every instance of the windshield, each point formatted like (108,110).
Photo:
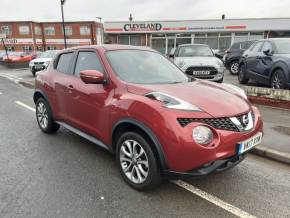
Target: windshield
(144,67)
(195,51)
(48,54)
(283,46)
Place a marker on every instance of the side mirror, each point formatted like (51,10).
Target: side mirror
(268,52)
(92,77)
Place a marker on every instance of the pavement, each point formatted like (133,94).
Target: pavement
(64,175)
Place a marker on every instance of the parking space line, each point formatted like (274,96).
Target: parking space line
(25,105)
(213,199)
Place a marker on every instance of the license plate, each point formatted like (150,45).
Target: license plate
(200,72)
(38,67)
(250,143)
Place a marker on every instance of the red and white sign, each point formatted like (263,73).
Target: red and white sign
(227,25)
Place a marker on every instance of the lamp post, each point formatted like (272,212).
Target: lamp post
(63,26)
(101,30)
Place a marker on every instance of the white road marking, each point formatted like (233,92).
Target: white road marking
(1,93)
(206,196)
(213,199)
(25,106)
(13,78)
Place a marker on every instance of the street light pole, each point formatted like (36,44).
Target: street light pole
(63,26)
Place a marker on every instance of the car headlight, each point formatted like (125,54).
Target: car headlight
(237,89)
(172,102)
(220,64)
(180,64)
(202,135)
(46,63)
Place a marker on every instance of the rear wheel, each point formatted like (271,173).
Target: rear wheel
(234,67)
(44,117)
(243,79)
(278,80)
(137,162)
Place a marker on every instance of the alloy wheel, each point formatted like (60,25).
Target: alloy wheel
(277,81)
(42,116)
(134,161)
(235,68)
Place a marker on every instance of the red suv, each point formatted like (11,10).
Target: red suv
(138,105)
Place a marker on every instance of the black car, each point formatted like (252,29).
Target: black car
(233,55)
(267,62)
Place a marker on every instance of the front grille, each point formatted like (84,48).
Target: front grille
(218,123)
(189,71)
(38,63)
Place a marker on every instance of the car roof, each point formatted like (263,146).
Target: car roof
(184,45)
(111,47)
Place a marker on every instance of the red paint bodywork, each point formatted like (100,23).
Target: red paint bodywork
(96,108)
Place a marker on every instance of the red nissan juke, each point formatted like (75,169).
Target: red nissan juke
(138,105)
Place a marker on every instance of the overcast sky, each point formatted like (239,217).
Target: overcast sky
(117,10)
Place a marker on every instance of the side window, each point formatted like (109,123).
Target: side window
(88,60)
(267,46)
(257,47)
(236,46)
(64,63)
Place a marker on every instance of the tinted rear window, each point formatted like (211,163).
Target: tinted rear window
(64,63)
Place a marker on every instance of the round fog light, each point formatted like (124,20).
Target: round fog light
(202,135)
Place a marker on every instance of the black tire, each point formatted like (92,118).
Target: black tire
(47,123)
(243,79)
(33,73)
(153,178)
(234,67)
(278,80)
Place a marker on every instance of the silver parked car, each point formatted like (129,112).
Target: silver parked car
(198,61)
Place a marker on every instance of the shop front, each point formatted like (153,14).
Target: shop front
(218,34)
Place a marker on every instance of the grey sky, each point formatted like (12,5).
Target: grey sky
(114,10)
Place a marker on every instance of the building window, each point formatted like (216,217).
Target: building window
(85,30)
(26,48)
(49,30)
(51,48)
(10,48)
(6,30)
(68,30)
(37,30)
(123,40)
(24,30)
(200,38)
(39,48)
(241,37)
(129,40)
(256,36)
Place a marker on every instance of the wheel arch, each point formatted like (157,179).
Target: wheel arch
(130,124)
(39,94)
(279,66)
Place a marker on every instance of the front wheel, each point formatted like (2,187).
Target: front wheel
(137,162)
(234,67)
(243,79)
(278,80)
(44,117)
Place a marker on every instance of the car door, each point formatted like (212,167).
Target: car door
(87,109)
(252,58)
(265,62)
(61,73)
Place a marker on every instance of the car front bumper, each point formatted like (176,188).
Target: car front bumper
(185,157)
(217,76)
(36,68)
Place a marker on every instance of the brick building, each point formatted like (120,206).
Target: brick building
(40,36)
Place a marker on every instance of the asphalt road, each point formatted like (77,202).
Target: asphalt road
(63,175)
